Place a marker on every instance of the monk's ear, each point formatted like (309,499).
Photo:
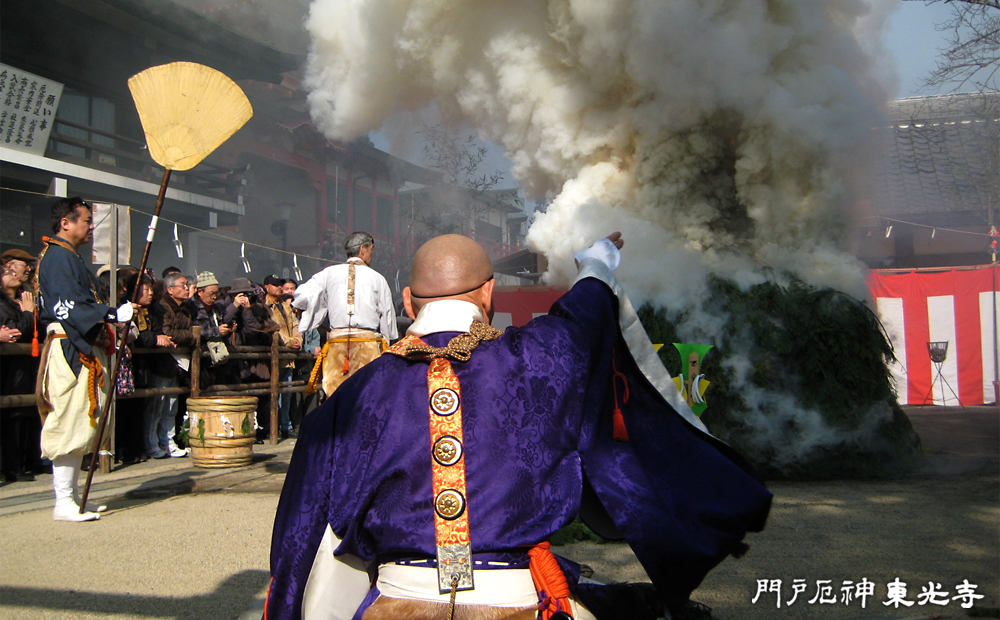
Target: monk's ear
(488,299)
(408,303)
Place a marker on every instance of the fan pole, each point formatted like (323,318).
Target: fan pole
(121,345)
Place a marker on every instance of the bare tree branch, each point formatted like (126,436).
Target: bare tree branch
(972,53)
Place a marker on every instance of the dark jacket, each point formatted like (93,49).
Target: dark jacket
(175,319)
(249,324)
(12,316)
(200,316)
(17,374)
(161,364)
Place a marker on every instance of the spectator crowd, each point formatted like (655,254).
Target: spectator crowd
(243,313)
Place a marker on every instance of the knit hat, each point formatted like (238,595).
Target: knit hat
(207,278)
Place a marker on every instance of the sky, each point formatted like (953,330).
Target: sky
(915,44)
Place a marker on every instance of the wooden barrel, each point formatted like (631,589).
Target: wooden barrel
(221,430)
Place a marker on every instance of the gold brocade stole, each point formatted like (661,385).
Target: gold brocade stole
(350,292)
(350,315)
(451,519)
(444,397)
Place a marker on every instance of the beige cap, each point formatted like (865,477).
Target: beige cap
(206,278)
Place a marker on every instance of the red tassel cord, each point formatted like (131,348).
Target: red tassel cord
(347,358)
(550,581)
(35,352)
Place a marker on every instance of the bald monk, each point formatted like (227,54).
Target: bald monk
(435,475)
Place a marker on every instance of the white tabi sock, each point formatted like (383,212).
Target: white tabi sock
(91,507)
(65,471)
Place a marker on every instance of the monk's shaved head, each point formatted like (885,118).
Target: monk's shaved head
(449,265)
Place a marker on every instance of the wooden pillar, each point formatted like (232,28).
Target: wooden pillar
(196,362)
(274,388)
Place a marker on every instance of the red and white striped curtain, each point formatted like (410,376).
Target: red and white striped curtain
(954,306)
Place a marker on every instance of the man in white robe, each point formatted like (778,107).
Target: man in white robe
(357,304)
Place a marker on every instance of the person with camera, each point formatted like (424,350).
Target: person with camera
(245,313)
(209,313)
(252,326)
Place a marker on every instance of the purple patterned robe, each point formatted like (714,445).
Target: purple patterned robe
(537,416)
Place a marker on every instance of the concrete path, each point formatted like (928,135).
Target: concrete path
(177,542)
(180,542)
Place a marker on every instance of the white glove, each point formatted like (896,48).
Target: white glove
(603,250)
(125,312)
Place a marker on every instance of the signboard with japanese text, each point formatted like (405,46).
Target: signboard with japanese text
(28,105)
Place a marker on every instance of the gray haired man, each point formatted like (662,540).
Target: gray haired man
(356,301)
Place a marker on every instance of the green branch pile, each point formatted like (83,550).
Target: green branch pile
(822,348)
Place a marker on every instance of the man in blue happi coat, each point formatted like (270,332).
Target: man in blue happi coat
(435,476)
(73,376)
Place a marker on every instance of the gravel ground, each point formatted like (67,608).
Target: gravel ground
(199,549)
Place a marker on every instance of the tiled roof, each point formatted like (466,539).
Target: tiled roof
(940,154)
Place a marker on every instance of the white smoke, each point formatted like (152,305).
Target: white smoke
(718,135)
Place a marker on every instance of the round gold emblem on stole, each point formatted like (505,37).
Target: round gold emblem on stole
(447,450)
(449,504)
(444,401)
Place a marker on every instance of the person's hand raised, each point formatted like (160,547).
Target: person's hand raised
(602,252)
(27,302)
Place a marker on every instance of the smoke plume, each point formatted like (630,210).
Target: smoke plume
(719,136)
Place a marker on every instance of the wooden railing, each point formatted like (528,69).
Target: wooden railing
(275,353)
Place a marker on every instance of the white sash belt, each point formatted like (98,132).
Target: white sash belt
(510,587)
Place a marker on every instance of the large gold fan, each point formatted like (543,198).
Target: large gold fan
(187,110)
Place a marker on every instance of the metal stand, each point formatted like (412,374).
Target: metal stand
(939,353)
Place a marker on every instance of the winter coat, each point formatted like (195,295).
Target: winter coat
(176,321)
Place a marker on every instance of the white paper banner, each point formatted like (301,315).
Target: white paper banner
(177,244)
(102,234)
(243,257)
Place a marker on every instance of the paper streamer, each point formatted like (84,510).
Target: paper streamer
(177,244)
(243,257)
